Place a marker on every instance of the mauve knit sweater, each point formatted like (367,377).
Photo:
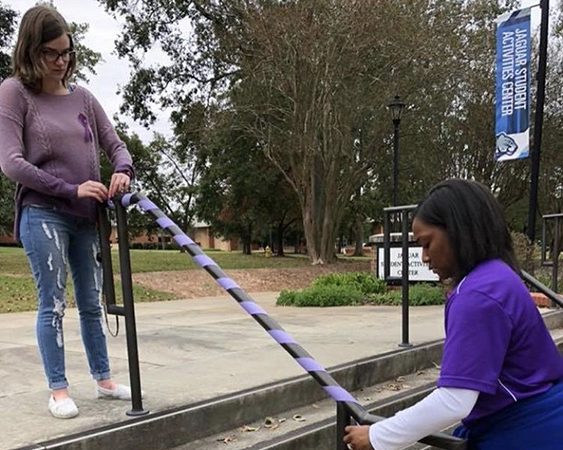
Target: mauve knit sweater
(49,146)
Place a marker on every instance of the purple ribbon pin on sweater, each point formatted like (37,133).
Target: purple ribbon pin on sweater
(88,136)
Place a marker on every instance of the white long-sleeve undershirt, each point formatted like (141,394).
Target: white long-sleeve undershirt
(442,408)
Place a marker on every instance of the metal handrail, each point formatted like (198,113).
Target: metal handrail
(553,296)
(345,401)
(363,417)
(128,308)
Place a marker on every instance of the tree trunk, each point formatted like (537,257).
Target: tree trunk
(359,235)
(320,225)
(297,247)
(311,237)
(279,239)
(247,241)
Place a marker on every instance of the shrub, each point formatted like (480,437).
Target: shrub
(392,297)
(364,282)
(544,279)
(419,295)
(329,295)
(426,294)
(354,288)
(526,253)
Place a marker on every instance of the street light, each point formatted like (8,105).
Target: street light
(396,106)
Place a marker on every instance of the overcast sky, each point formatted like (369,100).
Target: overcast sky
(113,72)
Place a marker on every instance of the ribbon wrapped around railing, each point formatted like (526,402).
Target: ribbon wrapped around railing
(301,356)
(284,339)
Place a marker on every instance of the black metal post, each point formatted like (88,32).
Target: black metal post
(130,326)
(555,257)
(396,123)
(343,419)
(544,240)
(538,122)
(104,230)
(405,278)
(386,246)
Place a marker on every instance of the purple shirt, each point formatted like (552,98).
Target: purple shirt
(49,145)
(496,341)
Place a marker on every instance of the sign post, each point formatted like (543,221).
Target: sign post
(538,123)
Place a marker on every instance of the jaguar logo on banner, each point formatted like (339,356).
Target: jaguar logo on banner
(513,80)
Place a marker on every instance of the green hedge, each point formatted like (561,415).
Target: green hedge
(357,288)
(419,295)
(364,282)
(321,296)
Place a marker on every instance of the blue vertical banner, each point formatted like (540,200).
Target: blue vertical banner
(513,80)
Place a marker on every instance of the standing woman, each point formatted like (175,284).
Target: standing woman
(51,131)
(501,373)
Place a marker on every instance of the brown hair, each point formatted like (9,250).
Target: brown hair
(39,25)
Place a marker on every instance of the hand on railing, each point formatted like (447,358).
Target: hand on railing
(357,437)
(363,418)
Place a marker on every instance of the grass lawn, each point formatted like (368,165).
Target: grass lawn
(17,293)
(13,261)
(17,288)
(158,260)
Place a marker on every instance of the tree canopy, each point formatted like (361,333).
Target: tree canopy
(309,82)
(278,109)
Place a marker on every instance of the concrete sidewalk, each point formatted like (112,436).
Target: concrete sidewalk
(189,350)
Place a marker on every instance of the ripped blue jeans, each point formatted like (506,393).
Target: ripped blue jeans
(54,241)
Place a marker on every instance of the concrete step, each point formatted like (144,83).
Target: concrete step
(290,414)
(167,429)
(313,427)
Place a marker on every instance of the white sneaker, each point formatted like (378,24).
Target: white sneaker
(63,409)
(121,392)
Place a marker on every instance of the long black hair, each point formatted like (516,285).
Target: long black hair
(473,220)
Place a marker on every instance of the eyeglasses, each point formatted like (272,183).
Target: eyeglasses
(52,55)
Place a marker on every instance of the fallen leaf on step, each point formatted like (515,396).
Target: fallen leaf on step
(400,379)
(314,405)
(226,440)
(282,420)
(269,422)
(299,418)
(248,428)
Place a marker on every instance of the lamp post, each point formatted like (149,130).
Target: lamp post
(396,106)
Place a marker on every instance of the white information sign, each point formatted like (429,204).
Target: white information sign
(418,271)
